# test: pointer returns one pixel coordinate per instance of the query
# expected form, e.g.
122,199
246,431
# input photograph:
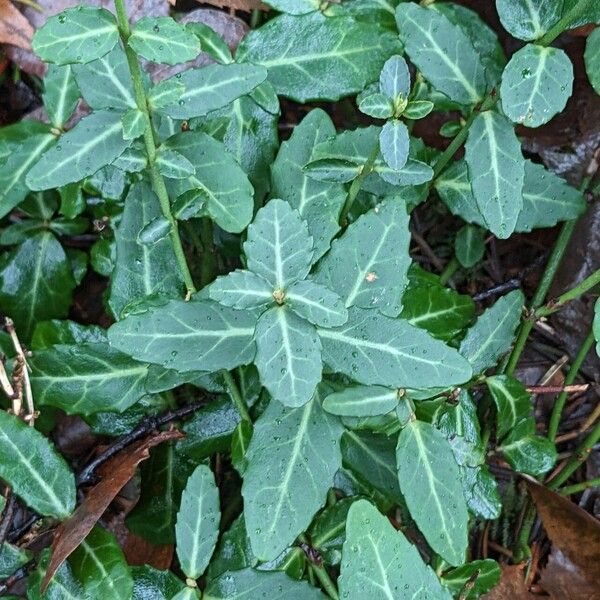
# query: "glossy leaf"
394,142
493,332
92,144
527,452
134,124
319,203
362,401
394,79
174,165
436,502
469,245
61,94
141,270
377,106
373,349
211,42
62,586
486,574
163,40
188,336
49,333
368,265
328,530
442,52
592,59
293,456
314,57
288,356
36,283
87,378
76,35
418,109
316,303
151,584
379,562
164,94
197,525
278,246
34,469
536,84
242,289
497,170
528,20
512,400
295,7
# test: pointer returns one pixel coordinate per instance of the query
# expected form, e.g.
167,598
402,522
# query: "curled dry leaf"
118,471
511,586
574,564
15,29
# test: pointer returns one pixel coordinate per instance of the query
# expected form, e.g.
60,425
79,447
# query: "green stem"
587,284
522,543
234,392
559,405
207,272
150,142
570,17
579,487
449,270
357,183
324,579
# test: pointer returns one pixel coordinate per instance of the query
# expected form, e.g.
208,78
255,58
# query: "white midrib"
60,107
63,40
98,376
117,83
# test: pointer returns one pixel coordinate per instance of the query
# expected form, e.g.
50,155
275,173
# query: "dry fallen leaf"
15,29
118,471
574,564
245,5
139,551
511,585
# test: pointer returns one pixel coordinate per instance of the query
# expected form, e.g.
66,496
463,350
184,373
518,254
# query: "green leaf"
187,593
34,470
49,333
436,502
377,106
527,452
328,530
151,584
93,143
592,59
367,266
98,562
335,170
36,283
141,270
173,164
189,336
484,575
528,20
155,231
314,57
106,82
378,562
279,247
12,558
197,525
235,585
394,80
163,40
61,94
512,400
316,303
418,109
373,349
230,201
76,35
362,401
213,87
241,289
319,203
295,7
87,378
442,52
288,356
536,84
134,124
481,492
164,94
394,142
211,42
62,586
293,456
497,170
493,332
469,245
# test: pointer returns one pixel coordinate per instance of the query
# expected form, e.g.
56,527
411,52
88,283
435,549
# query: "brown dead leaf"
119,470
575,535
245,5
15,29
511,585
139,551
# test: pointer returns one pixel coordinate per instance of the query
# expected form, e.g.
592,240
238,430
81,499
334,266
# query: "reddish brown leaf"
14,27
118,471
139,551
575,561
511,585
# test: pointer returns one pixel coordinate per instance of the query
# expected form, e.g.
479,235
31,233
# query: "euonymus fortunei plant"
340,382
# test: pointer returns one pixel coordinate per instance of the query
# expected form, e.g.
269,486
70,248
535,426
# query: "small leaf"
197,525
378,561
279,247
134,124
493,332
61,94
528,20
423,452
34,469
288,356
442,52
211,42
536,84
163,40
592,59
469,245
512,400
164,94
242,289
155,231
190,336
292,459
484,575
418,109
334,170
394,142
173,164
328,530
497,170
362,401
394,80
190,204
316,303
377,106
151,584
76,35
527,452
